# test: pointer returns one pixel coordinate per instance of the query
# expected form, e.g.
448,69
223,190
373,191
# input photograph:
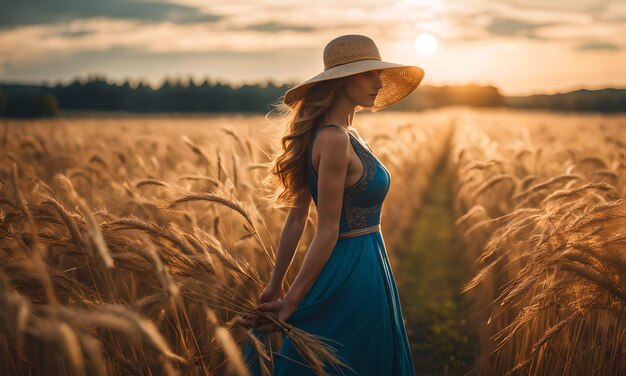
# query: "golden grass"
127,246
549,288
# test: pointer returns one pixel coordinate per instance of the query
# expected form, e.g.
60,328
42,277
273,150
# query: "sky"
522,47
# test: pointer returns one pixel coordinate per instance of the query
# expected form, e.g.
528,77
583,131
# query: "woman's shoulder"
332,134
332,139
323,127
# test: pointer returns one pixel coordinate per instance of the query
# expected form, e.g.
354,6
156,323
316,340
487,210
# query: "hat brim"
398,81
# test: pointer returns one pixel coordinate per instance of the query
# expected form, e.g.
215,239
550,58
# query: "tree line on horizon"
185,96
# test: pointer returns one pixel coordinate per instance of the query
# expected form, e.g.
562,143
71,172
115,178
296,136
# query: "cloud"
575,34
73,33
40,43
542,21
502,26
37,12
598,46
583,6
119,63
274,27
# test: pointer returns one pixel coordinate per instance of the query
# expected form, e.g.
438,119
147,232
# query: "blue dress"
354,302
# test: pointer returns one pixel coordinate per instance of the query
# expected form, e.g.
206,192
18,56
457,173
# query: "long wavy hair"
288,167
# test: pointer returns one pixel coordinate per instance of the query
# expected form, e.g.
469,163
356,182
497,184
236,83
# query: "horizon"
518,46
134,83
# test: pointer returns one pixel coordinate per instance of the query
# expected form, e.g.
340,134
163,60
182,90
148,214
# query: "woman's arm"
335,149
288,243
290,237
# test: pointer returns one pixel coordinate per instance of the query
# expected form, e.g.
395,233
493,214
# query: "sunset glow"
425,44
517,45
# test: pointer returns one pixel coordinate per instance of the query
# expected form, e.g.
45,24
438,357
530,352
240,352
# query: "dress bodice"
363,200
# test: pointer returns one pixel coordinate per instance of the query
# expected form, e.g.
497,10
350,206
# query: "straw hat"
351,54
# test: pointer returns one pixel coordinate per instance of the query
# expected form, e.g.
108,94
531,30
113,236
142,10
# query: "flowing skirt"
354,305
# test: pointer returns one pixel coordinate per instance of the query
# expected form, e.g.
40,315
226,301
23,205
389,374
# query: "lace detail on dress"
356,216
362,202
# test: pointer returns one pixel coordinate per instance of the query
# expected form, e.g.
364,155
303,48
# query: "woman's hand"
282,308
271,293
247,321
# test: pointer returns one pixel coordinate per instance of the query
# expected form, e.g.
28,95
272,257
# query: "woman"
345,291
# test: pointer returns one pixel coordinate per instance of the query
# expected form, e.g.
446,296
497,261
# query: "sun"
425,44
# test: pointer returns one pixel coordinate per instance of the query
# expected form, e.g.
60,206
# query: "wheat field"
129,244
542,215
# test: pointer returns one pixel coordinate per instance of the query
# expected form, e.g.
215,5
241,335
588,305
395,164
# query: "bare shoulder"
333,140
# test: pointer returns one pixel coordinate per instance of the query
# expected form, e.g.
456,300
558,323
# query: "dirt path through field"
430,273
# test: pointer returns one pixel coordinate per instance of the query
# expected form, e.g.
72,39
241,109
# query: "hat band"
353,61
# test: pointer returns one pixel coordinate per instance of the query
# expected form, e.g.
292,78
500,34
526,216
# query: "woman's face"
362,88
